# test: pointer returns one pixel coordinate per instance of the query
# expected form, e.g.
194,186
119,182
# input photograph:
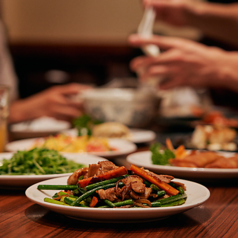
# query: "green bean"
181,191
113,180
66,194
170,199
119,204
50,200
69,200
123,203
176,203
147,183
56,187
109,203
161,193
154,187
91,192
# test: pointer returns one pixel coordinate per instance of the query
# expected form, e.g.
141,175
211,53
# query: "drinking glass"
4,112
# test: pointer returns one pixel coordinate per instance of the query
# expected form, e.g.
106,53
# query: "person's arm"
54,102
187,63
219,21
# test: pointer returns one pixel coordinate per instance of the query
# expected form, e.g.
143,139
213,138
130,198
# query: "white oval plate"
39,127
197,194
27,180
123,147
137,135
143,159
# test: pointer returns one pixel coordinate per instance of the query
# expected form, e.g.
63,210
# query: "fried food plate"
197,194
143,159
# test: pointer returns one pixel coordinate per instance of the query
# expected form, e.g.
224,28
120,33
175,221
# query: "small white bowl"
132,107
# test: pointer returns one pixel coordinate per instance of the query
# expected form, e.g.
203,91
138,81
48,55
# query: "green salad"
38,161
160,156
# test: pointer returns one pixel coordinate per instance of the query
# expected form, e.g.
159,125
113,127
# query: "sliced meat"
137,184
106,166
93,169
73,178
108,194
134,195
146,194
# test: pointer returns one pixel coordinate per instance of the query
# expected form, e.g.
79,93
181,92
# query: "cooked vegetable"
94,185
159,156
161,193
94,202
84,124
91,192
169,144
108,175
171,199
38,161
169,189
56,187
136,188
54,201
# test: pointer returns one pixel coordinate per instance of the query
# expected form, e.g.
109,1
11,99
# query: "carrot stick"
166,187
84,182
94,202
113,173
108,175
169,144
180,151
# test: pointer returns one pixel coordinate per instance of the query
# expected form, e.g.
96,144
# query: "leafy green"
159,156
84,124
38,161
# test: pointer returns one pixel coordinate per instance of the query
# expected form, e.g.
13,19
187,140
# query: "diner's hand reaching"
53,102
186,63
215,20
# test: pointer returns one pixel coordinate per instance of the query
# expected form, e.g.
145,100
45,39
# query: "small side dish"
213,137
105,185
194,159
74,144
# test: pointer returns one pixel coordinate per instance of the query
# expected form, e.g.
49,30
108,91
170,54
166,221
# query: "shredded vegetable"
38,161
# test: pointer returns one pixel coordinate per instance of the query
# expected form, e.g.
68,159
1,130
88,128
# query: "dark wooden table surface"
217,217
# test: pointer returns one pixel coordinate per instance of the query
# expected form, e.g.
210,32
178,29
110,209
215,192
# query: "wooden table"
217,217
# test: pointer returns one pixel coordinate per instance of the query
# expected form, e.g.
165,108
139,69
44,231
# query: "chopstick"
145,29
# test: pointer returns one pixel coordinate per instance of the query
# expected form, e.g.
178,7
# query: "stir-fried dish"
74,144
193,159
105,185
38,161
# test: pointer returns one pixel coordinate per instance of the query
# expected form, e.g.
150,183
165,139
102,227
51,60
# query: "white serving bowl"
132,107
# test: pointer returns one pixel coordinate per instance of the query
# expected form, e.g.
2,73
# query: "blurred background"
54,42
57,41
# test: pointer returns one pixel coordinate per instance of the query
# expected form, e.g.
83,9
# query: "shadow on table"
195,217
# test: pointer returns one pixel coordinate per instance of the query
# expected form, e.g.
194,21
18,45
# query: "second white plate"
123,147
143,159
16,181
137,135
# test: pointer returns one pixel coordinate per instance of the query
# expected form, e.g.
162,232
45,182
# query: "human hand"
173,12
53,102
186,63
